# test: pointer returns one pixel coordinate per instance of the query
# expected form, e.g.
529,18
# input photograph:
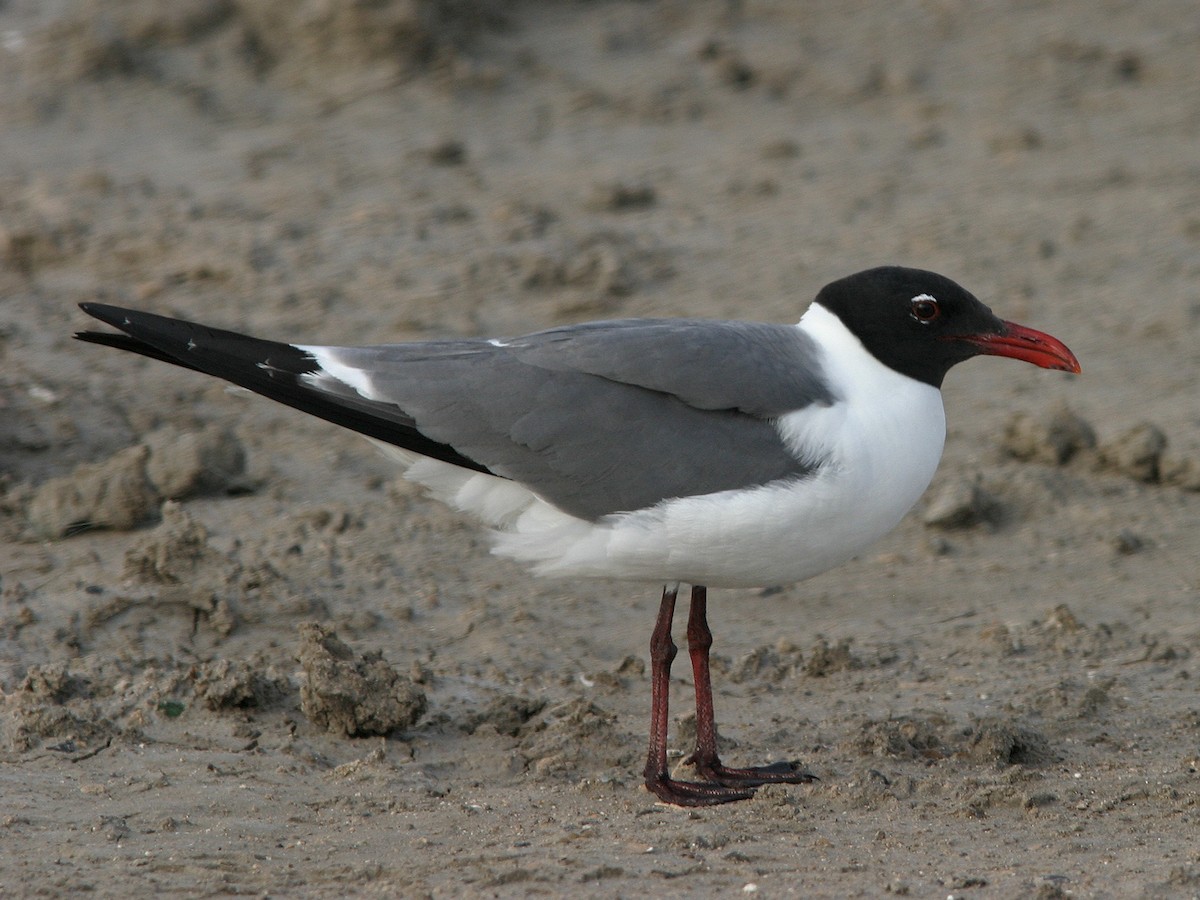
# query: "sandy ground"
302,678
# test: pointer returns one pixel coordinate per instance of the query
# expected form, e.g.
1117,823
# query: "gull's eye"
924,308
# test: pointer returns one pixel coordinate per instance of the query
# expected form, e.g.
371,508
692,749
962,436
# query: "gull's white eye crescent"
924,308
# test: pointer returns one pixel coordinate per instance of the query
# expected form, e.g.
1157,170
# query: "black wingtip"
133,345
97,337
109,315
226,354
270,368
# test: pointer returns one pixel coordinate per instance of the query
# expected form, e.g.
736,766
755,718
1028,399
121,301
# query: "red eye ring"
924,308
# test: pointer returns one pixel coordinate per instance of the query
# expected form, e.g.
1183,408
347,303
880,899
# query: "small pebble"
960,504
622,196
1128,542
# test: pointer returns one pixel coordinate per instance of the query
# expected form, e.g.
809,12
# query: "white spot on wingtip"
496,342
191,345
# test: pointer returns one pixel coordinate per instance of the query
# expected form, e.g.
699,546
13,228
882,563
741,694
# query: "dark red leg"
708,764
658,779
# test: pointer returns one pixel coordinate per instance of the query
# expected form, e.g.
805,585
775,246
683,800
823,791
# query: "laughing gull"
677,451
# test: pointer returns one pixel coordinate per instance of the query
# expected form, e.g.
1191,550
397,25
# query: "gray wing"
604,417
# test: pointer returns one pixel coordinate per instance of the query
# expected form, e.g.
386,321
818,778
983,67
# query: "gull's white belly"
790,531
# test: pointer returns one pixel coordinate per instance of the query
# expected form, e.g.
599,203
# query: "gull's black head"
921,324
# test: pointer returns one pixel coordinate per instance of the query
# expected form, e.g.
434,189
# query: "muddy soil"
238,656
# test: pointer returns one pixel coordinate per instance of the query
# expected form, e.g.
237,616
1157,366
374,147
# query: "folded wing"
595,419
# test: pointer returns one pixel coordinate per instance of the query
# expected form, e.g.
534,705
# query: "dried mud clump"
962,504
302,42
228,684
355,696
1054,437
589,271
183,570
903,737
51,707
125,490
572,736
1137,452
195,463
112,494
1181,471
991,742
1001,744
53,683
1140,453
103,40
173,552
27,726
769,665
507,714
826,659
298,40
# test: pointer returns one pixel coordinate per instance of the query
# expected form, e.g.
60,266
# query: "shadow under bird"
673,451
